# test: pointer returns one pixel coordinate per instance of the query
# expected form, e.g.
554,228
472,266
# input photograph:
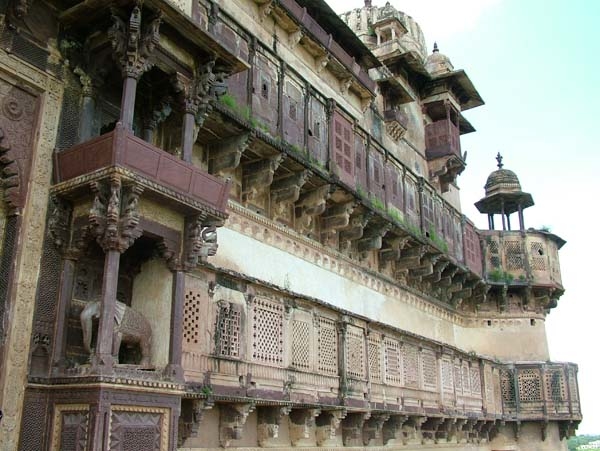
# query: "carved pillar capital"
133,44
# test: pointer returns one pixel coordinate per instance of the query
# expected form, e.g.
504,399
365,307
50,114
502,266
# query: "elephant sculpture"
130,326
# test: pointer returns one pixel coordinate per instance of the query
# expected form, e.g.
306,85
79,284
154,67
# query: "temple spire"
435,47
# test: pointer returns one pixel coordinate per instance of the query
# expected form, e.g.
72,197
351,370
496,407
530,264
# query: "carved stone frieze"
114,215
133,44
232,420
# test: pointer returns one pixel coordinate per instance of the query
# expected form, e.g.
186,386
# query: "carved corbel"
411,257
321,62
225,156
373,427
425,268
373,237
287,189
345,85
301,423
311,204
133,44
447,430
156,113
430,428
337,217
269,420
438,268
354,230
114,216
59,223
258,176
265,9
232,420
393,248
459,429
352,427
392,429
191,418
200,239
294,38
327,424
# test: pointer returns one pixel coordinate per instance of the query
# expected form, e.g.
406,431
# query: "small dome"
437,63
502,180
503,192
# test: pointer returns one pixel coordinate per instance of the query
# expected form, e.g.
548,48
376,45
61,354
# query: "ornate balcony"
396,123
162,174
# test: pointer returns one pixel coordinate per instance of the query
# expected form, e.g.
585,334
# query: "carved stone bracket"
269,420
133,44
352,427
311,204
373,428
301,423
294,38
225,156
265,9
287,189
190,428
200,240
232,420
337,217
59,223
425,268
392,429
345,85
321,62
392,248
373,237
114,216
258,175
198,92
430,429
446,430
355,230
409,258
327,424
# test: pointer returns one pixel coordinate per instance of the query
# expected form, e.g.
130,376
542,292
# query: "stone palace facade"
236,224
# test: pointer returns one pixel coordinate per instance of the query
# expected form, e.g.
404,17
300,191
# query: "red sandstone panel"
142,157
175,173
206,188
86,157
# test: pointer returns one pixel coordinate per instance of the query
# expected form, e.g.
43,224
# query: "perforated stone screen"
447,376
530,388
228,330
191,317
327,346
410,359
507,386
374,342
429,368
556,389
393,368
267,331
355,352
475,381
538,256
301,344
514,254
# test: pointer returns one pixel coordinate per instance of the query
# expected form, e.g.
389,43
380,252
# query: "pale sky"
534,63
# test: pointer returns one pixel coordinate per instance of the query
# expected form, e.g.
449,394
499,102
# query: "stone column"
115,229
88,105
64,298
132,45
174,369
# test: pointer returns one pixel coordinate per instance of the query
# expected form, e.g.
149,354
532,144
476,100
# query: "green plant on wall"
499,275
438,241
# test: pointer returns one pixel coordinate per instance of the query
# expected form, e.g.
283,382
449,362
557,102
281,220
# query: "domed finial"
435,47
499,160
368,4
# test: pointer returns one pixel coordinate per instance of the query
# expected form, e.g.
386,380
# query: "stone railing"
515,257
120,148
